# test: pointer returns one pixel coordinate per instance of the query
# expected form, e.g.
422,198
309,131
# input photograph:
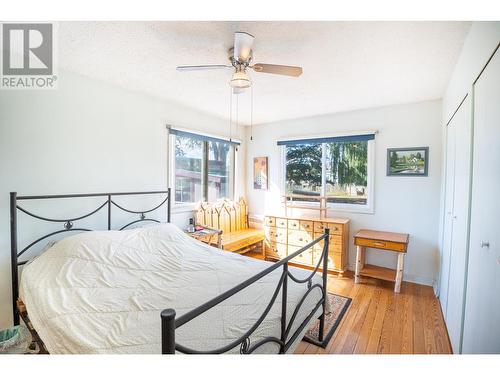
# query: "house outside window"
202,168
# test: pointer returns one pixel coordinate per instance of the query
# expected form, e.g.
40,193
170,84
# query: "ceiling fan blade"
284,70
242,45
188,68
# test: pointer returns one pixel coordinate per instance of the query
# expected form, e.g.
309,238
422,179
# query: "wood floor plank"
430,342
366,329
440,334
311,349
418,321
301,347
384,345
353,335
378,321
357,293
399,318
407,319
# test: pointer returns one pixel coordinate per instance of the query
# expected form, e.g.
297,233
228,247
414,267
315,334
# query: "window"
346,168
219,170
188,169
338,168
303,169
203,167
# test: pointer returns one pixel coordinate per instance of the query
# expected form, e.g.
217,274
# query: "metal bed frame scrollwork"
169,323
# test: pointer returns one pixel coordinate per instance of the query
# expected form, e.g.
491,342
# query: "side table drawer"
378,244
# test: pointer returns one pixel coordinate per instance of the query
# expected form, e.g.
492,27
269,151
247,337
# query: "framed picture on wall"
260,180
408,161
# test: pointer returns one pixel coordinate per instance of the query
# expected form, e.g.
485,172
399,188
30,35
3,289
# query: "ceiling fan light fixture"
240,80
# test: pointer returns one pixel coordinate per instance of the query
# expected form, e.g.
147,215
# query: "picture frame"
260,173
408,161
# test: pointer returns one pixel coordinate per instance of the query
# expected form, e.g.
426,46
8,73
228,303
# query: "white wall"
402,204
86,136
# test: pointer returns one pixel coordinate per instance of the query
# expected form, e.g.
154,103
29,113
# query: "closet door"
482,308
462,124
448,218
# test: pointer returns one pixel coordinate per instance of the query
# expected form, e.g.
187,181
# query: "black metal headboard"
68,225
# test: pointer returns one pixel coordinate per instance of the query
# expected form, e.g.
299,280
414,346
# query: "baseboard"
435,286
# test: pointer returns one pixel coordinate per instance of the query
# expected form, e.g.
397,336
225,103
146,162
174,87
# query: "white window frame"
369,207
191,206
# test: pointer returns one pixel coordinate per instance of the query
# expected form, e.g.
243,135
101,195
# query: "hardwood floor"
380,321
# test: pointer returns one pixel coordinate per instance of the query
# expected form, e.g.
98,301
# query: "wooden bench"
232,218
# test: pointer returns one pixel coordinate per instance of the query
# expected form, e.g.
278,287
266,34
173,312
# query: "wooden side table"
397,242
207,235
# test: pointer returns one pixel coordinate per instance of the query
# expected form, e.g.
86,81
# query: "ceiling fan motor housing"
237,63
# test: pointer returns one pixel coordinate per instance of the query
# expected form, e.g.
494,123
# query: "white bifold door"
454,256
482,307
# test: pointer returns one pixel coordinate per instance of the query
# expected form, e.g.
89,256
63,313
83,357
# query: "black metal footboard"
169,323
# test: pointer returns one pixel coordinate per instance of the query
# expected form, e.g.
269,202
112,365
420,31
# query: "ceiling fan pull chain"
237,109
251,113
230,111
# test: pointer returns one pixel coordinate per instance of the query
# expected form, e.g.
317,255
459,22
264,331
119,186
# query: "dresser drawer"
335,243
277,249
304,258
270,221
336,261
293,224
319,227
306,225
299,237
281,235
378,244
281,222
270,233
276,234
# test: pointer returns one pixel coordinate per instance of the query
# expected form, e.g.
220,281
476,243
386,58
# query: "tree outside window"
337,170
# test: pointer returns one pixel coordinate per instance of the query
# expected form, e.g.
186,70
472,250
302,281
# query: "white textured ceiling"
347,65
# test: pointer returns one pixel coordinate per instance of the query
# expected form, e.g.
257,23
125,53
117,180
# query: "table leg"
219,241
399,272
360,262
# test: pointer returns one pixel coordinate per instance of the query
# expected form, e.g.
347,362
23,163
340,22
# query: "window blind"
202,137
342,138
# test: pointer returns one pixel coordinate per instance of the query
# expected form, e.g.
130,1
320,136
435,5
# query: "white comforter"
102,292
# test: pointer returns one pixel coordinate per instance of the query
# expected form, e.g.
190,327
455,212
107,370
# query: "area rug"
338,308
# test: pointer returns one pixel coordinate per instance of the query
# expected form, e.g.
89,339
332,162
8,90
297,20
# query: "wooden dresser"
285,235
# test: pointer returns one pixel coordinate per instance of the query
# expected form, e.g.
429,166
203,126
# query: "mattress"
103,291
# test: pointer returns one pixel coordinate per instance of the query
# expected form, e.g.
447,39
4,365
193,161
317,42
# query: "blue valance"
342,138
202,137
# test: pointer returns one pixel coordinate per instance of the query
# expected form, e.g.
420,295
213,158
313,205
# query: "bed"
154,289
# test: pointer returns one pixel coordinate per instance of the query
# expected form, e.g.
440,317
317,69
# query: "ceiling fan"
240,56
